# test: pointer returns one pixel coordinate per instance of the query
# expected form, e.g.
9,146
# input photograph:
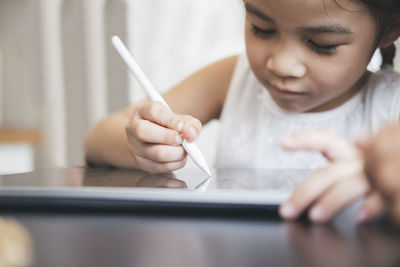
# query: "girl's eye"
261,33
327,50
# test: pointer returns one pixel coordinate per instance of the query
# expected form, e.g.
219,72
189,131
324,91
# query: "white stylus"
152,93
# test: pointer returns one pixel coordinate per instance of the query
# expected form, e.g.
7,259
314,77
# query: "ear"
391,34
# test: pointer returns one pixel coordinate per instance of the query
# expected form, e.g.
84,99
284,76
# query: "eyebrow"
256,12
332,29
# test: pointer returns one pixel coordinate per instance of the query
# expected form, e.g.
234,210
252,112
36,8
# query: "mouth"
283,92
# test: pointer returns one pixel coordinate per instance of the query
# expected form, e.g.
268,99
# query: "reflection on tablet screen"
281,180
259,179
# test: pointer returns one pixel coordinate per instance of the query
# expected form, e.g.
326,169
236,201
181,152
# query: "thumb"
156,112
190,128
160,114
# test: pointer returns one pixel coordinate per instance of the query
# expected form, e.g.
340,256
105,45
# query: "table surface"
77,238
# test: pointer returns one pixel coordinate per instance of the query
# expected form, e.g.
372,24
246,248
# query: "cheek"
342,73
337,80
256,54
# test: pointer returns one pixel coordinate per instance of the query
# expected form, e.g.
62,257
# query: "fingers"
150,166
161,180
162,153
157,153
306,193
364,142
337,198
148,132
331,146
155,135
191,129
159,114
326,192
373,207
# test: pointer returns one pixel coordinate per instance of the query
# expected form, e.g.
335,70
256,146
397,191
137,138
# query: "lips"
286,91
283,92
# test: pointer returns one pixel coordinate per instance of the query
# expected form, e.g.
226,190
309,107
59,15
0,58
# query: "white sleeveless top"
252,124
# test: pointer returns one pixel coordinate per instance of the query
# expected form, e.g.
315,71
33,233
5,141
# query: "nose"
284,63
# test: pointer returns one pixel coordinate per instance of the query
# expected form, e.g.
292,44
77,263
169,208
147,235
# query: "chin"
292,106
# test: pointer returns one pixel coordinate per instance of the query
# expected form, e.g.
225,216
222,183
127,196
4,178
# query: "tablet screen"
185,190
242,179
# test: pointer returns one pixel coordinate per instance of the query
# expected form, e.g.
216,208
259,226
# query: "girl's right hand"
155,135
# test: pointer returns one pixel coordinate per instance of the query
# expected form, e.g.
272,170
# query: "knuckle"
182,163
175,123
139,129
129,130
192,121
197,124
155,109
306,192
182,153
160,155
171,138
139,162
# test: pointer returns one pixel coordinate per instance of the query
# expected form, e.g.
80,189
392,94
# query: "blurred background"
59,74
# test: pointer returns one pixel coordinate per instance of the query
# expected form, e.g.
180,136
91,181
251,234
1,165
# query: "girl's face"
311,55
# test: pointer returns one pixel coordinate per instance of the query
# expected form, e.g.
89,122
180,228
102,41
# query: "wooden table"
150,239
18,135
17,149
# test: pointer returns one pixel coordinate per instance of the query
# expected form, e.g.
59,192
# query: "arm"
144,135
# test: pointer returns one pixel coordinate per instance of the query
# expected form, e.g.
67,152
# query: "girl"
305,68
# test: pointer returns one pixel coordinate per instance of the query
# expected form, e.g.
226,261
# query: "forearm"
106,143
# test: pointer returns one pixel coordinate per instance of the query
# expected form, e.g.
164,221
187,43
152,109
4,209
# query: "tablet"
188,190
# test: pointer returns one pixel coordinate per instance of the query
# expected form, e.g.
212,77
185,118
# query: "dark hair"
384,11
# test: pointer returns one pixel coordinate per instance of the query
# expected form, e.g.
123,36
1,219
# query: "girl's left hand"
330,189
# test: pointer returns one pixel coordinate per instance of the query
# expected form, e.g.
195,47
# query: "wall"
61,74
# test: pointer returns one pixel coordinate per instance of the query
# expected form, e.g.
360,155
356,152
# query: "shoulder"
386,78
203,93
244,91
242,77
383,84
383,94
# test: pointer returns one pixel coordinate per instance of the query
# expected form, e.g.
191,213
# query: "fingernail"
180,126
192,132
288,211
317,214
175,184
178,139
